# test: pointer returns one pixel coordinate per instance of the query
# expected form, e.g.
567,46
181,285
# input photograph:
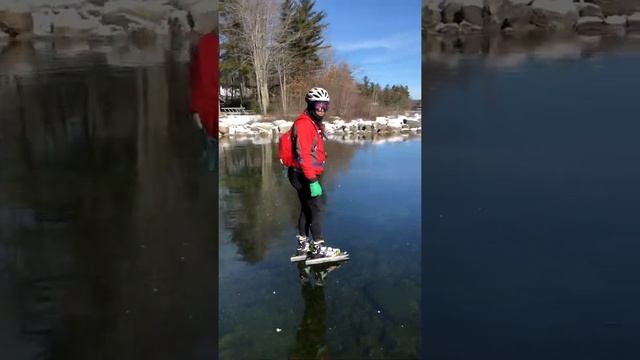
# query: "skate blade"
298,258
326,259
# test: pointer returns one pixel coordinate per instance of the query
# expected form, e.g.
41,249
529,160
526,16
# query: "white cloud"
394,42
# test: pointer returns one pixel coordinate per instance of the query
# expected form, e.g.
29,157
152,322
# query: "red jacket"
308,146
204,83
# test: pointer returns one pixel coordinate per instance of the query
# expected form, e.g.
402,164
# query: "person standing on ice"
309,156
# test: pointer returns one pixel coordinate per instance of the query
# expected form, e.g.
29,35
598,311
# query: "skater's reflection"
312,332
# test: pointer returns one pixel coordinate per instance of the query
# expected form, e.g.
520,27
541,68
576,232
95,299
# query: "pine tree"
235,71
307,22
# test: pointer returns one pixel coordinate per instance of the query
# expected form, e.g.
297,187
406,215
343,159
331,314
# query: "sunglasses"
321,106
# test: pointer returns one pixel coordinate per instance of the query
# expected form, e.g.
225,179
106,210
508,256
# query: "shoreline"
27,20
375,139
255,126
520,17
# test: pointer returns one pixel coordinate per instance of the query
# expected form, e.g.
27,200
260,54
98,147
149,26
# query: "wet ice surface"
107,211
370,306
531,199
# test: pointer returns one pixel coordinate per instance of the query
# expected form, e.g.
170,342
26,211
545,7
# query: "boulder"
467,27
554,14
412,124
119,20
452,13
587,9
616,7
590,25
561,7
205,16
451,28
263,127
514,15
430,17
616,20
89,10
67,22
497,10
135,25
107,31
633,22
97,2
473,15
150,11
179,19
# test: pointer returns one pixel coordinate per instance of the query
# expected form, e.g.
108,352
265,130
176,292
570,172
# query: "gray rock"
616,20
448,28
467,27
514,15
616,7
587,9
149,11
540,19
205,22
413,124
591,25
108,31
203,12
430,17
97,2
452,13
473,15
119,20
633,22
555,14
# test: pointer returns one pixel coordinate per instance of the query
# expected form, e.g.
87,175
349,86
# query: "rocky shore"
105,19
246,126
590,17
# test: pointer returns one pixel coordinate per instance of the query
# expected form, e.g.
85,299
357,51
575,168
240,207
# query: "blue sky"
377,38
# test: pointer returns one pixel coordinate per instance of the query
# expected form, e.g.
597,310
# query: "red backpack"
285,148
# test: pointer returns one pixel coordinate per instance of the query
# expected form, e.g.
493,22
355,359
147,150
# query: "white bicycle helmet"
317,94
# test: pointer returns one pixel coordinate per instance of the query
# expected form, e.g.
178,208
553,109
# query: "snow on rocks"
106,18
460,17
616,20
255,126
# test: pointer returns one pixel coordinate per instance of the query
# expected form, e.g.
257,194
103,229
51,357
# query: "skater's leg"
304,220
297,180
316,210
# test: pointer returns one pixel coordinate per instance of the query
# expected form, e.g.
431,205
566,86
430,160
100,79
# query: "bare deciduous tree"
258,22
266,38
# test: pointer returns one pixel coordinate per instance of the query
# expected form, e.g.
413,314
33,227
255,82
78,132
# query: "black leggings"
310,219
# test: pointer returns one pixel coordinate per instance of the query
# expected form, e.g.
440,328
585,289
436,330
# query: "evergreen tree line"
273,51
395,96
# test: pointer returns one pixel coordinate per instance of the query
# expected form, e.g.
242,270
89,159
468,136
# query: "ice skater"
308,154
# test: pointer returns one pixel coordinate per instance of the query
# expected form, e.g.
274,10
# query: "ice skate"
324,254
320,272
303,249
304,273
